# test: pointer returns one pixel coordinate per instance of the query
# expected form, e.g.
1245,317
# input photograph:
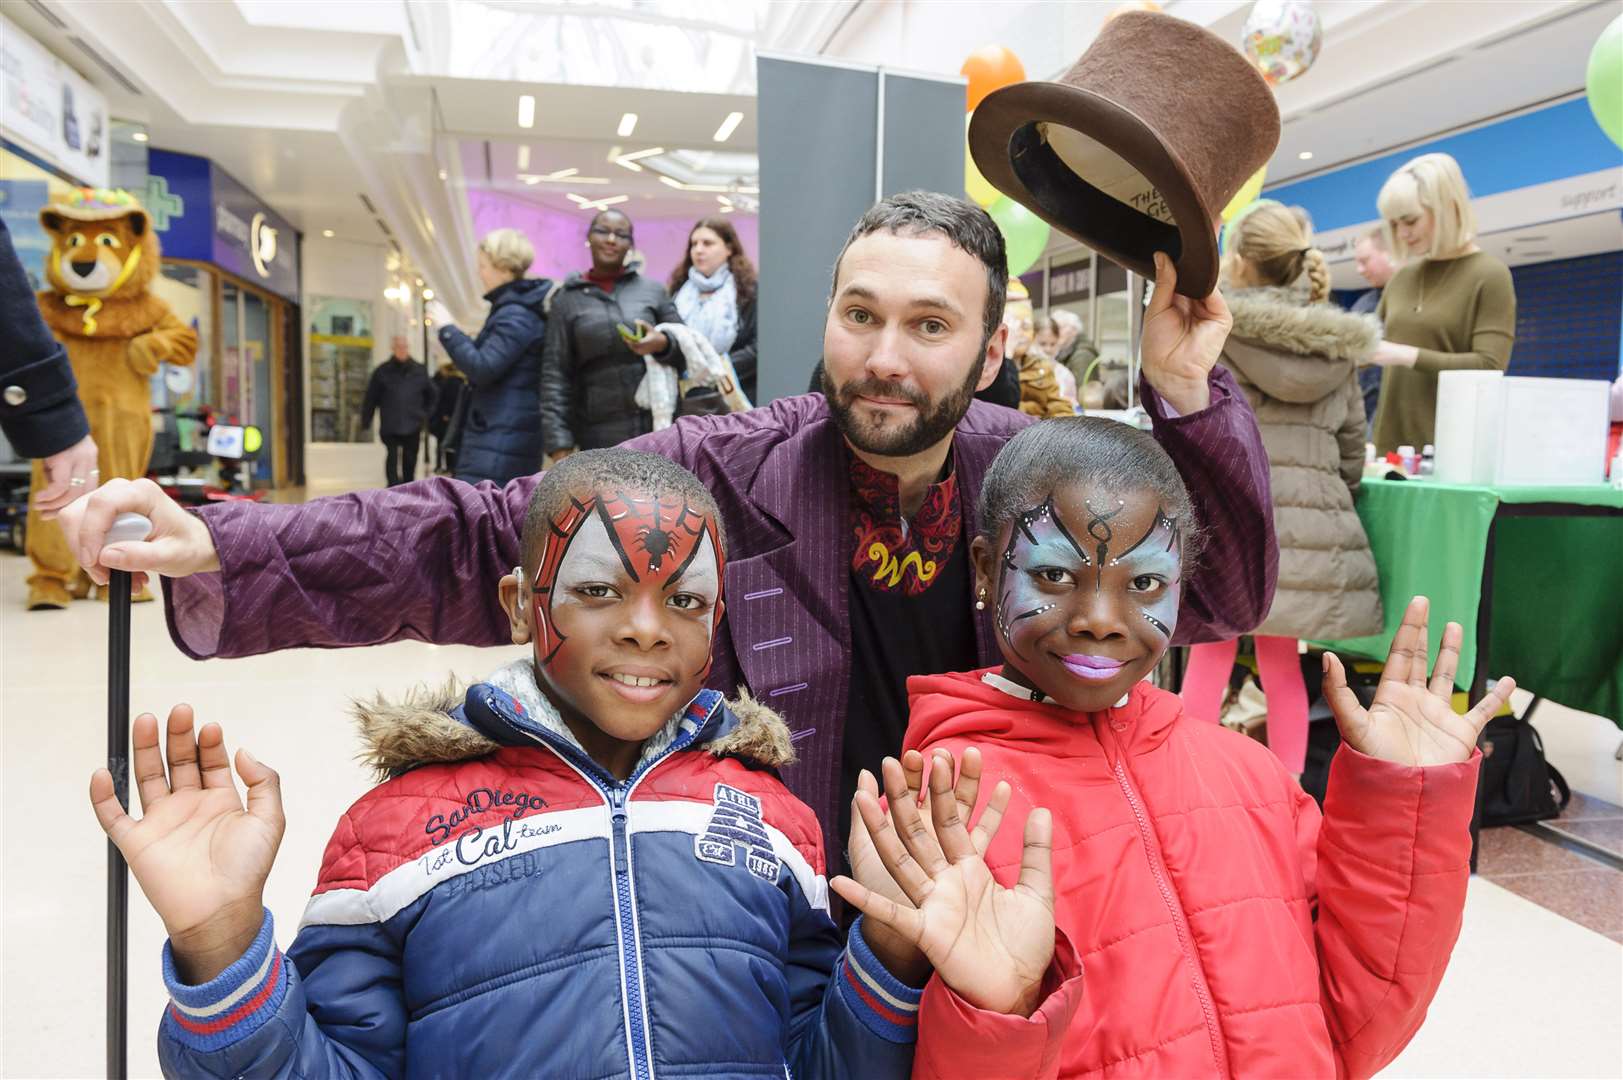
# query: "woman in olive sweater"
1450,307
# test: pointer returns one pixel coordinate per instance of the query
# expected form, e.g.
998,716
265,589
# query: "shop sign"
201,212
47,107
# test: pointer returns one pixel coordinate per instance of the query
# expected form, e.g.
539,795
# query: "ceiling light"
531,180
677,184
728,126
638,155
1305,155
560,174
628,124
526,110
524,157
724,200
578,200
140,136
428,294
328,233
632,165
444,175
419,283
604,204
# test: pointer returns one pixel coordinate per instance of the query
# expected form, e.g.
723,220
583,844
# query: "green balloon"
1025,235
1605,81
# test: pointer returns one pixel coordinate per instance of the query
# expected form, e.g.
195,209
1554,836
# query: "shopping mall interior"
329,183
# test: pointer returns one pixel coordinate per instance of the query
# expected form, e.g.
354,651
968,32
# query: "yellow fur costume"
104,255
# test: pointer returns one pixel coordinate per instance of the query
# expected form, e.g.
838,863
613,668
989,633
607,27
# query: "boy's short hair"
1083,449
589,470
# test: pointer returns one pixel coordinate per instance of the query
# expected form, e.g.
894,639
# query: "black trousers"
401,464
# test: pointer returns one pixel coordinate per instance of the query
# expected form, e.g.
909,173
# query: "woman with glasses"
591,365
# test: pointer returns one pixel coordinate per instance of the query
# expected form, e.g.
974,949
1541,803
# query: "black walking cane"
128,527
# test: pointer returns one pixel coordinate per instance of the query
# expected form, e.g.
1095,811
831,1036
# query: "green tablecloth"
1557,615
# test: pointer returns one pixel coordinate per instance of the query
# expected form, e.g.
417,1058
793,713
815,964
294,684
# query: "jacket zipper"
1180,922
618,796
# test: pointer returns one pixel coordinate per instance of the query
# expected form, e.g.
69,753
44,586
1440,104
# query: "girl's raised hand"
991,945
1412,721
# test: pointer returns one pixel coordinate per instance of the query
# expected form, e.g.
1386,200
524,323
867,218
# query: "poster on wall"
49,108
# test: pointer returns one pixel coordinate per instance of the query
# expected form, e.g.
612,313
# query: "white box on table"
1470,407
1494,428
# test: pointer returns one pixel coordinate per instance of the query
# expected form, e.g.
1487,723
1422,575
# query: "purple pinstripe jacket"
421,560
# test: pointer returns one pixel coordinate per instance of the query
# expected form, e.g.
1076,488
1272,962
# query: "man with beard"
849,513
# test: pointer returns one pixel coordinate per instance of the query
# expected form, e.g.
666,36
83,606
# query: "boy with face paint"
587,867
1205,918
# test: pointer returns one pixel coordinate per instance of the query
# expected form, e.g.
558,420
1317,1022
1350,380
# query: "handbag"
1518,785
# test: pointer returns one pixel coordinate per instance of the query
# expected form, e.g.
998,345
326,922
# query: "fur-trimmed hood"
427,726
1294,350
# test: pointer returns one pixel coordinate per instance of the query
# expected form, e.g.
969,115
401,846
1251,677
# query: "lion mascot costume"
104,255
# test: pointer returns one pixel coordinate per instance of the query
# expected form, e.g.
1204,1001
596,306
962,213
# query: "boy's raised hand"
200,857
1411,721
991,945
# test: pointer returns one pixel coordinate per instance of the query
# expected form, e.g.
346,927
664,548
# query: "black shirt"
910,613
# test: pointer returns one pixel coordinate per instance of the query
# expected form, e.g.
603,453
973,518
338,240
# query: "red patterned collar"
891,553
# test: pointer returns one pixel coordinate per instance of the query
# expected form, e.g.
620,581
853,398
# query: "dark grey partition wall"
827,154
924,134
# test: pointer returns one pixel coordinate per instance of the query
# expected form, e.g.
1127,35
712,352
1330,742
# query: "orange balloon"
990,67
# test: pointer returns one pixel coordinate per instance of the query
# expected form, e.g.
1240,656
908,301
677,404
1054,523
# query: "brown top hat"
1138,147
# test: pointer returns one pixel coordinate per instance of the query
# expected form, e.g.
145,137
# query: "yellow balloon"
252,440
975,184
1246,195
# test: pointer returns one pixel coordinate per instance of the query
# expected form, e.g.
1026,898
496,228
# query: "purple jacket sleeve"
419,561
1220,455
360,569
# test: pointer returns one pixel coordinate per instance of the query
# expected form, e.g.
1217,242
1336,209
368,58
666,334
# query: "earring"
980,601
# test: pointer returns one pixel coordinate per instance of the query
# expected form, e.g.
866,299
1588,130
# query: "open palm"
1412,721
990,944
197,853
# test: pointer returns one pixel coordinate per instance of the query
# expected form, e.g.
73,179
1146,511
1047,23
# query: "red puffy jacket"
1209,925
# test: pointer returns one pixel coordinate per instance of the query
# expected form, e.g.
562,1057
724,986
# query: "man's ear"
515,600
992,362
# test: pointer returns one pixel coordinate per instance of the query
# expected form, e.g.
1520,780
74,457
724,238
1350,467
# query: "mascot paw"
48,596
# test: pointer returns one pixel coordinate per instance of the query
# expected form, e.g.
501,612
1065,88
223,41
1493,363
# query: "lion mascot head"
103,249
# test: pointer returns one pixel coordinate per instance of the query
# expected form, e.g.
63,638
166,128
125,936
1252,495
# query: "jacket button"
15,396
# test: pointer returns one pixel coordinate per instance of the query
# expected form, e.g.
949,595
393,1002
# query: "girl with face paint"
1227,927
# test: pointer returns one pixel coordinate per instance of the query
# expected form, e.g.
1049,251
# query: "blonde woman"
1450,306
1296,358
499,435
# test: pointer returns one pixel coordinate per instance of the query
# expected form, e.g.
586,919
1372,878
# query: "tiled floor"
1529,992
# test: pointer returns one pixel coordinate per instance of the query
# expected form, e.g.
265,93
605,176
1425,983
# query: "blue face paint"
1088,587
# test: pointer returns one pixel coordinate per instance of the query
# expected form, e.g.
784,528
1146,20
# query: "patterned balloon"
1282,38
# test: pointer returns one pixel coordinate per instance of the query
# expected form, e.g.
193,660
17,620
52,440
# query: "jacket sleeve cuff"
883,1003
1163,413
961,1040
234,1004
50,413
1373,806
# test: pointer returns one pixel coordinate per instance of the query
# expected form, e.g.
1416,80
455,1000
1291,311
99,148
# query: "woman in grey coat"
1296,357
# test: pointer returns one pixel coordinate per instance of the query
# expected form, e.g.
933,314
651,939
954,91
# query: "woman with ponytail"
1296,357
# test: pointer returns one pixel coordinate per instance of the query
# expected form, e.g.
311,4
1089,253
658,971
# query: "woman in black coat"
500,431
589,372
714,291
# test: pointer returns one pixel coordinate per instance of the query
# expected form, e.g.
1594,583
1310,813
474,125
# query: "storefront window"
179,393
340,364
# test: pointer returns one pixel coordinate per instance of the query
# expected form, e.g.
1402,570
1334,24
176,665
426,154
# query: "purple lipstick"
1092,668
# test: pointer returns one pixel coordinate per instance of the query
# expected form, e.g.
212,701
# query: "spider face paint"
624,606
1087,587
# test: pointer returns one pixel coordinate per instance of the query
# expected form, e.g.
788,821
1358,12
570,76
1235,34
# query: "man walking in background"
402,391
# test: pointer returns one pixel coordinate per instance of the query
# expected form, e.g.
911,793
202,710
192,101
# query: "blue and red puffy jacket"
518,912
